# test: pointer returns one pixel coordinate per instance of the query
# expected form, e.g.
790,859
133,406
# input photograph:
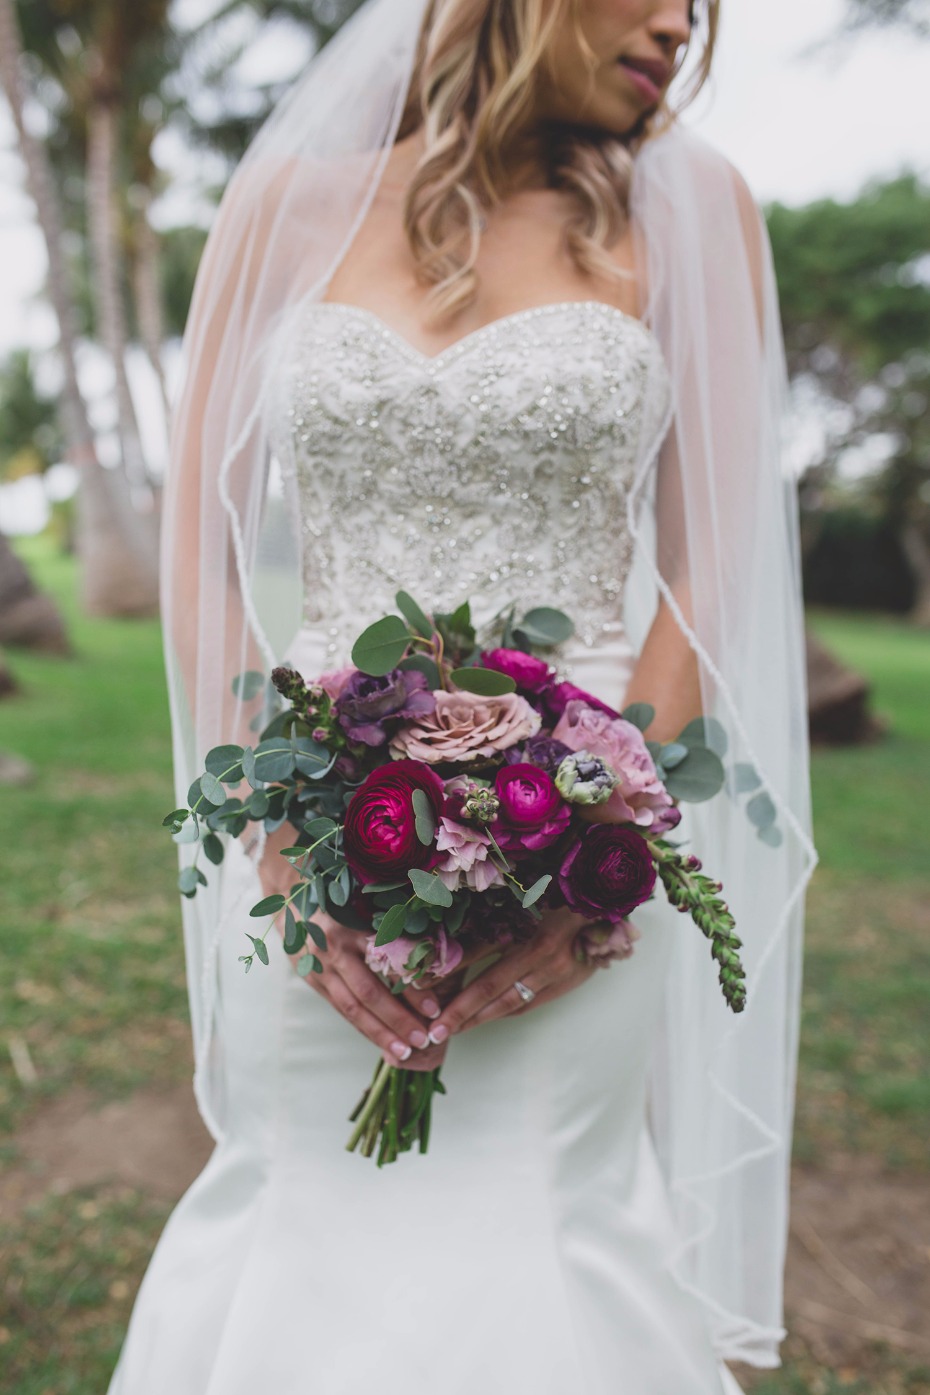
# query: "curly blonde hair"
476,75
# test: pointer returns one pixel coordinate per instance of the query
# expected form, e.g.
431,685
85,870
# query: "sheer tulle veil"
714,518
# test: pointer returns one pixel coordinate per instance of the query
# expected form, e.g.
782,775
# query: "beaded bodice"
497,470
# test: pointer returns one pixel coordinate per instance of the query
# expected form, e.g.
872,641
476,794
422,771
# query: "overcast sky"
798,127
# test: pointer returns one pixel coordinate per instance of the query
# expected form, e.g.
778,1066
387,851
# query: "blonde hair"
477,71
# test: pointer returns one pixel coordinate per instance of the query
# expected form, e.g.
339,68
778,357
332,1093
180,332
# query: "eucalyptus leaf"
554,625
425,665
746,777
705,731
487,682
213,849
225,762
175,820
391,926
308,964
771,834
194,794
249,684
270,905
533,893
188,832
188,881
418,918
258,803
672,754
212,790
376,888
338,892
381,647
761,810
312,758
429,887
699,776
425,822
248,766
641,714
274,759
261,949
295,936
416,618
317,935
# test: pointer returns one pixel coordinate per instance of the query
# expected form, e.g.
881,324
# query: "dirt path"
858,1271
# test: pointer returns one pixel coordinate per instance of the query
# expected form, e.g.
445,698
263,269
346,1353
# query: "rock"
15,770
838,700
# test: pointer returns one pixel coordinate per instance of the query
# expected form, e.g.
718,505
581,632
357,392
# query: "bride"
480,318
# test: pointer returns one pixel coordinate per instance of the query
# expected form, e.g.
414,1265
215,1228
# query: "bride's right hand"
347,982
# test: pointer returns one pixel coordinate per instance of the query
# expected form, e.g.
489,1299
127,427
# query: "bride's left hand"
546,964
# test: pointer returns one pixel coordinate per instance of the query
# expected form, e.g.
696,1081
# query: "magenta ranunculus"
532,812
640,797
529,673
607,872
380,837
558,695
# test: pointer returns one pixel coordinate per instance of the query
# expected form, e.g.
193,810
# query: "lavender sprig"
691,890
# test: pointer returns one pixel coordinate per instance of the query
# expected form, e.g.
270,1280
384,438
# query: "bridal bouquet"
443,795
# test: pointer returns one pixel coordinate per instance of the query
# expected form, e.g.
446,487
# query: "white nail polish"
401,1051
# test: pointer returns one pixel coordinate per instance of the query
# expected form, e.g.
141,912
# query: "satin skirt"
525,1254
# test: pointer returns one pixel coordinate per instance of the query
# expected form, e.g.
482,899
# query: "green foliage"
30,437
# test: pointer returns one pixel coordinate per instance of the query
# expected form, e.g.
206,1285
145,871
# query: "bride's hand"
347,982
546,964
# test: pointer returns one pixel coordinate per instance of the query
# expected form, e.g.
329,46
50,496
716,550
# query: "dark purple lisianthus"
607,872
557,696
532,812
529,673
543,751
366,703
380,836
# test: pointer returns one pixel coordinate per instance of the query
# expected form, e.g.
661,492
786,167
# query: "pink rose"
602,943
467,861
333,683
640,797
463,725
391,959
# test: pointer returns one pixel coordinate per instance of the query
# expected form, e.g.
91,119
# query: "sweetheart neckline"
466,341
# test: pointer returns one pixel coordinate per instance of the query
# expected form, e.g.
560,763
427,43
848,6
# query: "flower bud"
584,779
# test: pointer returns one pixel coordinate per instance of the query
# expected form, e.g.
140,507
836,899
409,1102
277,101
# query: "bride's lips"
648,76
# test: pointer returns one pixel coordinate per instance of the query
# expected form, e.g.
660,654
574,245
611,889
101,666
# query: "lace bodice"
497,470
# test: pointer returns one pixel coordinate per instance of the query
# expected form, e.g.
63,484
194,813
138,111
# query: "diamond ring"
526,993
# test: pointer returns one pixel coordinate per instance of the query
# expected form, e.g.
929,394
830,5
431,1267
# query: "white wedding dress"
526,1254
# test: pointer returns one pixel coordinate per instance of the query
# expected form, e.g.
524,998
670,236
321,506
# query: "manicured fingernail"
419,1039
401,1051
438,1035
430,1008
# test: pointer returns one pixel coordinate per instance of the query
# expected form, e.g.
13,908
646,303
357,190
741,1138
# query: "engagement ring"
526,994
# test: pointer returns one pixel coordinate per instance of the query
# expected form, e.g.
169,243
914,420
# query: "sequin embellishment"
497,470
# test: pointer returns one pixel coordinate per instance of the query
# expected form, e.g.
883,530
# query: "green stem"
370,1109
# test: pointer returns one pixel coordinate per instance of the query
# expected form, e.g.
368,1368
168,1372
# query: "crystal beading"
497,470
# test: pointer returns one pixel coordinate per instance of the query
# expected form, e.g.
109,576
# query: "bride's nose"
669,24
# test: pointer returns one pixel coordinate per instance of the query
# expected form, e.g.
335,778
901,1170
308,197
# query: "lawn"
93,988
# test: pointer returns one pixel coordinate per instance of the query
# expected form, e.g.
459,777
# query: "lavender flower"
366,703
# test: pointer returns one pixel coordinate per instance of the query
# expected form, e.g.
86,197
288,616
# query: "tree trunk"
917,551
115,542
27,616
108,263
147,293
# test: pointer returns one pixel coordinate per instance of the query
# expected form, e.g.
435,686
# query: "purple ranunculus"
558,695
366,703
529,673
607,872
543,751
532,812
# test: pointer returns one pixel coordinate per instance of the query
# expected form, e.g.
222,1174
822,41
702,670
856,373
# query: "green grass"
865,1045
95,984
88,910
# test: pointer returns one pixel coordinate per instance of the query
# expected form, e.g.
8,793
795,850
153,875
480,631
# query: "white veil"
714,519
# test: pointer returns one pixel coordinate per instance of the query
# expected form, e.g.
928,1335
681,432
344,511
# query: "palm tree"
118,546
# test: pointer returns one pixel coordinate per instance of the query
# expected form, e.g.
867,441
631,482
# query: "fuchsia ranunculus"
558,695
640,797
380,837
607,872
532,812
528,672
